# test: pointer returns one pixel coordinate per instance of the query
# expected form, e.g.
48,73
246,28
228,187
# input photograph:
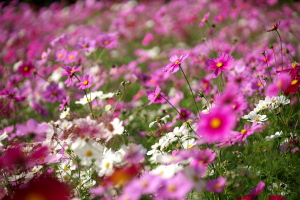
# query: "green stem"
190,89
280,48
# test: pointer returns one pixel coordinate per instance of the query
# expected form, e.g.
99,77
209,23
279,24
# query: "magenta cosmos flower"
174,66
69,72
85,82
156,97
26,69
217,124
275,27
216,185
219,64
204,19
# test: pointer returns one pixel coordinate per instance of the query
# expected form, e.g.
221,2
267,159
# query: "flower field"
129,100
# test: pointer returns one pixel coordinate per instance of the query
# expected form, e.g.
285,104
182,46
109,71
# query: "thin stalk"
268,68
280,48
177,111
90,105
190,88
275,56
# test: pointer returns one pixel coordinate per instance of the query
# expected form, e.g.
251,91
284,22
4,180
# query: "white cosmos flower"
166,171
114,127
89,97
87,150
93,95
163,119
253,116
65,113
276,135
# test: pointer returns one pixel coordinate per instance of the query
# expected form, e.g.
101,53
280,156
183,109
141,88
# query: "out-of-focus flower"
216,185
156,97
204,19
26,69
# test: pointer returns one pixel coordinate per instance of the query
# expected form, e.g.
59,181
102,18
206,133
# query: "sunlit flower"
85,82
174,66
216,125
219,64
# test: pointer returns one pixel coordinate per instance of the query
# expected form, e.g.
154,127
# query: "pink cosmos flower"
239,137
147,39
219,64
156,97
69,72
61,55
85,82
216,125
65,103
275,27
12,94
53,93
216,185
32,129
26,69
257,190
174,66
71,57
176,187
204,19
87,44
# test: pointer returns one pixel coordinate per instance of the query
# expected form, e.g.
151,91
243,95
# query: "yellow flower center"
106,42
259,84
176,62
35,196
219,64
107,164
215,123
72,71
26,69
85,45
71,57
89,153
60,55
243,131
85,82
217,186
294,64
171,188
294,82
256,119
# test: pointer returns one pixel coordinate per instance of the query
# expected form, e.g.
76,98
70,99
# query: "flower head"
219,64
156,97
204,19
69,72
85,82
216,125
275,27
174,66
216,185
26,69
86,44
